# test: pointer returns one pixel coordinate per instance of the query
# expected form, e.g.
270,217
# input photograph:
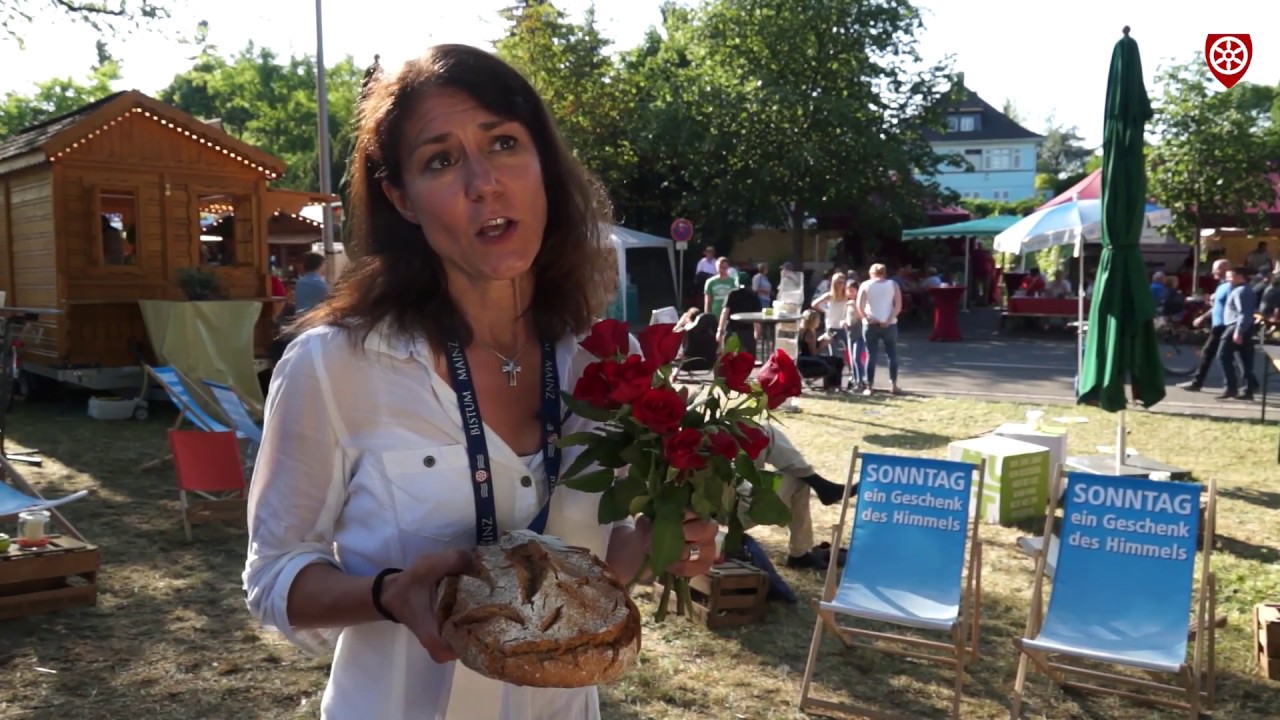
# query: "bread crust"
536,612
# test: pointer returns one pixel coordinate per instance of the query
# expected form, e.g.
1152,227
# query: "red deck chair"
208,466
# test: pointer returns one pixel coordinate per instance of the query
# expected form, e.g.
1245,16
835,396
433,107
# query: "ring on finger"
694,550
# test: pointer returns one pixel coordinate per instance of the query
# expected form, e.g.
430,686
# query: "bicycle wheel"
1179,360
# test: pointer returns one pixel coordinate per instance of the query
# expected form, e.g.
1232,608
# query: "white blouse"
363,466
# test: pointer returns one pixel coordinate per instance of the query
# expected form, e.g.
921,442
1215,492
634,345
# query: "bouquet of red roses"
682,450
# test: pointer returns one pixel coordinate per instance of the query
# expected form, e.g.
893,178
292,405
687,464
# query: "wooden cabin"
104,206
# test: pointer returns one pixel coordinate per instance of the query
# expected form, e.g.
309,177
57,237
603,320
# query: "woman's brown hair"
398,277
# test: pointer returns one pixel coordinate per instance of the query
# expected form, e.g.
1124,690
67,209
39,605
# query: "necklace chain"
509,366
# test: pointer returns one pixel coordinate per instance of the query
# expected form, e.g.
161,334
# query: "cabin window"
225,229
118,226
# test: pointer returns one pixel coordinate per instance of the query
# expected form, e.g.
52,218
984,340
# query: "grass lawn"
171,638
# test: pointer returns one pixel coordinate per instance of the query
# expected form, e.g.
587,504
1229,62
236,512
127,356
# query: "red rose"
682,450
608,339
659,409
735,369
630,378
780,379
595,384
660,344
723,444
752,439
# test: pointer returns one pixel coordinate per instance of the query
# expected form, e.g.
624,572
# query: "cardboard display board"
1017,479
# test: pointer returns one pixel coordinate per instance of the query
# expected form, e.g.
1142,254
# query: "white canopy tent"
625,239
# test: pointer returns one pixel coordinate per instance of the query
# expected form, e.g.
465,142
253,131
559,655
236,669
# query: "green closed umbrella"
1121,346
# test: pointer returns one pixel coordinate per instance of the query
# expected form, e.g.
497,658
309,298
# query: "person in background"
879,301
932,278
798,478
1269,307
706,268
1159,291
761,285
739,300
311,289
717,289
984,271
812,363
1258,261
1237,335
840,314
1175,303
1033,284
1214,340
1059,286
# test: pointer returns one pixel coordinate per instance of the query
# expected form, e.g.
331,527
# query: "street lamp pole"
324,156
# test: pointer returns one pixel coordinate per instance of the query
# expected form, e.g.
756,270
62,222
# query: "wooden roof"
48,140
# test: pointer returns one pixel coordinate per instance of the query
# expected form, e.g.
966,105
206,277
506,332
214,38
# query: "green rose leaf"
596,481
767,508
610,510
578,438
585,410
667,536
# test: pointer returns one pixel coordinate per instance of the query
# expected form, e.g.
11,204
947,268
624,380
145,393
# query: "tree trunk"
797,237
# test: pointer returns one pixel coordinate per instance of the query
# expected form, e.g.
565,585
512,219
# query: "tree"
58,96
820,105
1062,152
1010,110
272,104
1210,160
566,62
108,18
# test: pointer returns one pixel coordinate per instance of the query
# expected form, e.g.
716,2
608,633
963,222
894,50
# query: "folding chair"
234,407
18,496
208,466
188,409
906,566
1122,592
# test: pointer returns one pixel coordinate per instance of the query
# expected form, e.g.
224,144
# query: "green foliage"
1212,157
199,284
981,207
57,96
271,103
108,18
737,113
1062,152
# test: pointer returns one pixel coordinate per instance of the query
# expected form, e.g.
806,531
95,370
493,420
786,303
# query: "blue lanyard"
478,446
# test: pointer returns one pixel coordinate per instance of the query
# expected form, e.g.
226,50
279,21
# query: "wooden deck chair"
1122,593
188,409
208,466
237,411
906,566
18,496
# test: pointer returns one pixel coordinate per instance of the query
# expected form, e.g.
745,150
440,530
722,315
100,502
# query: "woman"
842,313
761,285
812,363
482,256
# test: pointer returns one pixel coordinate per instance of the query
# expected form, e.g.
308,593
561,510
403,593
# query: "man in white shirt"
880,302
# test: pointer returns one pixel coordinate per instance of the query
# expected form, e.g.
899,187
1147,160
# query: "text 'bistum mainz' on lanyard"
478,447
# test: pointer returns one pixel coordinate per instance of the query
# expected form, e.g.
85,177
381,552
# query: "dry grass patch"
171,638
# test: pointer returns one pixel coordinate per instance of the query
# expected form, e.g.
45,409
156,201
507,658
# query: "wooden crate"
60,576
1266,639
731,593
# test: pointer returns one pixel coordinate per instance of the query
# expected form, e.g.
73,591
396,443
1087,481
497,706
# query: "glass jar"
31,528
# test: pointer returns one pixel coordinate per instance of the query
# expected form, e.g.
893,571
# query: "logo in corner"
1228,56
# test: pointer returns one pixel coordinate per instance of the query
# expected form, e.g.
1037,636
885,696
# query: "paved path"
1035,367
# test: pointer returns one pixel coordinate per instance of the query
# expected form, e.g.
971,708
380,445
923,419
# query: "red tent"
1090,188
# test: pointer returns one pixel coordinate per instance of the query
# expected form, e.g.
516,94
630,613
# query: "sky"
1049,62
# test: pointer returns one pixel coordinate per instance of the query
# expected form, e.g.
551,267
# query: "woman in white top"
841,313
880,302
416,415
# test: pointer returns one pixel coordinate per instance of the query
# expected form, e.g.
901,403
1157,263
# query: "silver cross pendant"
510,368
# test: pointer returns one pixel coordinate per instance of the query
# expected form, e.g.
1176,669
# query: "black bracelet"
377,594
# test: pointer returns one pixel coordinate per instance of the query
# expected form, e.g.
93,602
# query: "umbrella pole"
968,280
1079,313
1121,453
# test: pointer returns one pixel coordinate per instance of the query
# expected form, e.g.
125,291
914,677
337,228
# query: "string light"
147,114
296,216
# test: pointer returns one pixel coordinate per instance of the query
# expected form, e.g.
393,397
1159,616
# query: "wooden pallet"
1266,639
731,593
60,576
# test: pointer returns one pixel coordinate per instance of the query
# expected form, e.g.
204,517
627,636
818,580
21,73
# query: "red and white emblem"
1228,56
481,476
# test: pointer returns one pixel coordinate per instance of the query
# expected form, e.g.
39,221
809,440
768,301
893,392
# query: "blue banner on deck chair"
1122,587
906,553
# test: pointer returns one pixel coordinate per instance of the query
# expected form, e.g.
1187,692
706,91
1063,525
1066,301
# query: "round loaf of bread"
536,612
